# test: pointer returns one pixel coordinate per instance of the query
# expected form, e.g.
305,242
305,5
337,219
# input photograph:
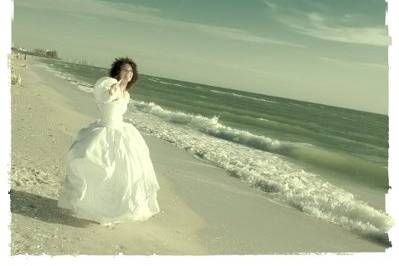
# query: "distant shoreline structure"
47,53
37,52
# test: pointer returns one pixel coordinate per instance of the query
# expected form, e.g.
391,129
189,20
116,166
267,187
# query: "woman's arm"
106,89
116,88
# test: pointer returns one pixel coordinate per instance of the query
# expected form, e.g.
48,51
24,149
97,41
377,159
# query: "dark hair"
116,69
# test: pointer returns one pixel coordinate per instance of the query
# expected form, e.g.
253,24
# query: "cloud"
237,34
315,25
137,8
272,6
355,64
315,19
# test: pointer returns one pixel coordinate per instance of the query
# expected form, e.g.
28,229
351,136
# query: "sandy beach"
204,210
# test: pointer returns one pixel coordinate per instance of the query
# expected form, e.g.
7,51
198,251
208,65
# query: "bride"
110,177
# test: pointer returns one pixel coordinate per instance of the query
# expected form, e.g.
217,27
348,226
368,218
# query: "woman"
110,177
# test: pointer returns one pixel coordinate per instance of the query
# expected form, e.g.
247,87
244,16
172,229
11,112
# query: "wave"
278,178
83,86
166,83
243,96
55,72
363,171
87,89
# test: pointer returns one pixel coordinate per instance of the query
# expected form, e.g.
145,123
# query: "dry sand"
203,209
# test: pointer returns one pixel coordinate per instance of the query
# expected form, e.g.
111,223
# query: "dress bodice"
111,107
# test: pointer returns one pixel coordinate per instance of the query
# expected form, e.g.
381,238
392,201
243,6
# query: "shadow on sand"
45,209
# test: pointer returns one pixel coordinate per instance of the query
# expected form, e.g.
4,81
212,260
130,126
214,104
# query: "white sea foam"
80,85
57,73
212,127
166,83
87,89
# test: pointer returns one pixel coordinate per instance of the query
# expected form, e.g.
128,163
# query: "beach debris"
16,79
29,178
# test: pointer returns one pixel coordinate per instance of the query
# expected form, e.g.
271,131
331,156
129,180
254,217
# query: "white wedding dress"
110,177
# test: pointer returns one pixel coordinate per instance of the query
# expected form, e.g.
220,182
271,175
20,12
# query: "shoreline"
203,210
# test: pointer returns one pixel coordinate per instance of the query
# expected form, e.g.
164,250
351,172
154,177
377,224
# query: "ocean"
325,161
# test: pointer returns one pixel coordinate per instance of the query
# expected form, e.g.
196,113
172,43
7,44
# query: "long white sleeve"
101,89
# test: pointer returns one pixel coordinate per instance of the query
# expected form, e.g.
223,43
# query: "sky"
333,52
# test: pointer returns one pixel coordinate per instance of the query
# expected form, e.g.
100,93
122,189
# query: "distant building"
37,52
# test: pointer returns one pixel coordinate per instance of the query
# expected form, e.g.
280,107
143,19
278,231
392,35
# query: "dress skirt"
110,176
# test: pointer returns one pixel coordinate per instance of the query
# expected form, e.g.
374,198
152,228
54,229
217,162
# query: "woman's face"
126,72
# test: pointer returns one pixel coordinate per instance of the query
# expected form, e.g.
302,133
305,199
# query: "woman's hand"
114,88
123,82
117,88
